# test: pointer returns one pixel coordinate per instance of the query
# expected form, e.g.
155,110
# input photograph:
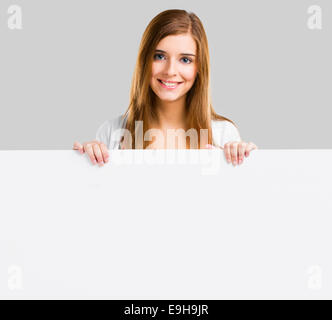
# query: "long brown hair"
199,109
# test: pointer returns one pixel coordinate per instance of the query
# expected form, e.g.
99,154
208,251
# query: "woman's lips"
174,84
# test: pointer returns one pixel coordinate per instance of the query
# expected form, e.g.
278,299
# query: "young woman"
170,97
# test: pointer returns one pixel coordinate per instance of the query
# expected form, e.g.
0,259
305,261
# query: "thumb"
78,146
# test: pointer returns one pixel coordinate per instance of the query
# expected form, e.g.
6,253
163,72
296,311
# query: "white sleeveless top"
110,132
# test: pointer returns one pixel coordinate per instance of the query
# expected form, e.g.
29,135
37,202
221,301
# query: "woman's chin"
169,97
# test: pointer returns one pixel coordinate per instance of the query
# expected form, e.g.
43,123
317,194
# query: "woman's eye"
189,61
158,55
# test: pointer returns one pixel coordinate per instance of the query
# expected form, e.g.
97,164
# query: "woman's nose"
170,68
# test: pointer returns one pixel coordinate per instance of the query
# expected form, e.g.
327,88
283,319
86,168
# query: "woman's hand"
235,151
97,151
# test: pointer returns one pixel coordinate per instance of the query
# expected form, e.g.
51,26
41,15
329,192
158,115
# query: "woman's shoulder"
113,123
105,130
224,131
223,124
118,122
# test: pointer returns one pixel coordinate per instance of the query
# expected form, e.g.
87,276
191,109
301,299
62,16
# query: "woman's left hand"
235,151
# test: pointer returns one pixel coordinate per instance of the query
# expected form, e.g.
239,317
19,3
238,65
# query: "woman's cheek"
189,74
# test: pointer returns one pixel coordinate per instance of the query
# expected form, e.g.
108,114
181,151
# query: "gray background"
70,68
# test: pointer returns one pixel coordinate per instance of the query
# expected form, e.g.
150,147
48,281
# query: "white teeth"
168,84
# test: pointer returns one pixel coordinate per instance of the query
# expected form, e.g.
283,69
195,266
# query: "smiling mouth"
169,85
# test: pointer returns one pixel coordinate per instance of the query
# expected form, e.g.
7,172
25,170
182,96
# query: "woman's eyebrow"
184,54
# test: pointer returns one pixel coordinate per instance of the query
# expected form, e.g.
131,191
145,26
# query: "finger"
250,146
78,146
98,155
234,152
227,152
104,151
89,151
240,152
210,146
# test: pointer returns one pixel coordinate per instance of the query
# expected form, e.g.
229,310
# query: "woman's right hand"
97,151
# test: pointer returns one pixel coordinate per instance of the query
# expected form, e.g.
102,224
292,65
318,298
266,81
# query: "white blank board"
166,224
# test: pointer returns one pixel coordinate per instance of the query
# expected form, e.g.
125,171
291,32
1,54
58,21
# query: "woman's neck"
171,114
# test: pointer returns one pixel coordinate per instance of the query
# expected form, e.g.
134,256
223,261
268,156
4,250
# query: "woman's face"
174,67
